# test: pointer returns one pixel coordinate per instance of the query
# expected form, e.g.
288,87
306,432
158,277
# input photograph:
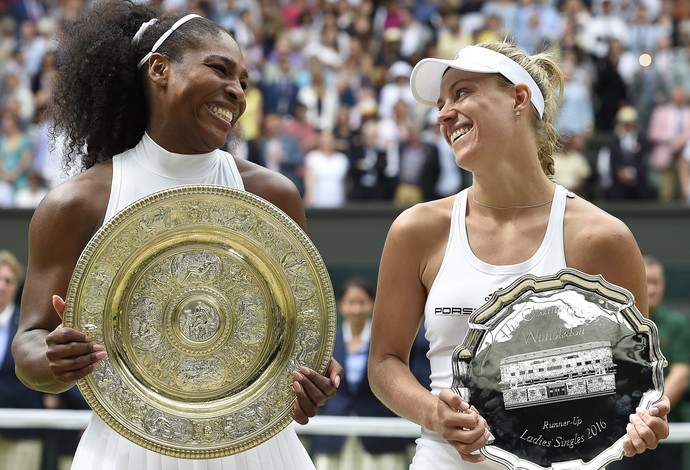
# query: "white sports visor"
425,80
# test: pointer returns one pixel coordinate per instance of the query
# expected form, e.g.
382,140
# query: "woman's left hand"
647,428
314,390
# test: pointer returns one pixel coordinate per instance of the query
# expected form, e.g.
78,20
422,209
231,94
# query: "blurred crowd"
330,105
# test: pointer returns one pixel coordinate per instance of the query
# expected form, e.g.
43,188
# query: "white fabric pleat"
101,448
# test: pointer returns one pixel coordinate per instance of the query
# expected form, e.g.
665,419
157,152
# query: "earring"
517,113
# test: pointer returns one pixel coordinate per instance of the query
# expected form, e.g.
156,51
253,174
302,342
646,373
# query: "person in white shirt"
497,108
163,93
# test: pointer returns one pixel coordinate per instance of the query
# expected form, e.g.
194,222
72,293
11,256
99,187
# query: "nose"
445,114
235,91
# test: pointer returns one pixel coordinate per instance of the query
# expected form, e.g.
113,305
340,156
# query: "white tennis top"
464,283
138,172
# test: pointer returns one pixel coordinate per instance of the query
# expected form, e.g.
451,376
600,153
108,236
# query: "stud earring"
517,113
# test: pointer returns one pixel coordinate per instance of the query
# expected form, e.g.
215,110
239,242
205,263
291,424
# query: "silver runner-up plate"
556,365
206,298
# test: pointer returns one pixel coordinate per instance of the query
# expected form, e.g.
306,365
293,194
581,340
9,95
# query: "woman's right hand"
71,354
462,426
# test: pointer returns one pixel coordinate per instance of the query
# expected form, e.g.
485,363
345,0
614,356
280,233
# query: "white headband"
425,80
163,37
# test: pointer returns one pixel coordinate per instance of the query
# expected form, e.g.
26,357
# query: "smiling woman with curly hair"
146,101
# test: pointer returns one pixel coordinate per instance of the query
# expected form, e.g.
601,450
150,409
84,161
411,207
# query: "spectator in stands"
669,131
451,178
279,90
603,28
16,152
320,97
367,163
574,16
649,86
33,45
19,448
393,132
416,36
645,32
325,174
396,88
537,25
278,151
629,158
419,170
610,91
331,47
674,339
42,86
8,43
343,132
505,9
577,110
355,398
305,32
298,126
31,195
571,167
490,30
388,53
451,37
19,93
680,68
253,115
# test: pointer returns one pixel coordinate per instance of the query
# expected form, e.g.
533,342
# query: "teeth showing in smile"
459,133
223,113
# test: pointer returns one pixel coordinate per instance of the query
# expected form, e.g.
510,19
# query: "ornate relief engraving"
206,298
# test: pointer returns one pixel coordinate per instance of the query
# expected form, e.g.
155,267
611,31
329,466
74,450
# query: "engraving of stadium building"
558,374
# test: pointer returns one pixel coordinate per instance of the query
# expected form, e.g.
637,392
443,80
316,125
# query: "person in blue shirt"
355,398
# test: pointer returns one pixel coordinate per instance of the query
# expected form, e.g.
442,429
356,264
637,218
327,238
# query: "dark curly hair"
99,104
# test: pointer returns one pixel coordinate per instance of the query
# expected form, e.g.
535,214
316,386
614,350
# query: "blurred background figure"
674,340
669,131
367,163
19,448
279,151
35,190
16,153
629,160
419,170
325,174
355,398
571,168
576,115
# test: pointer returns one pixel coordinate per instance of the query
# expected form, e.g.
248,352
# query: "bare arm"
598,243
48,357
405,274
275,188
398,311
611,250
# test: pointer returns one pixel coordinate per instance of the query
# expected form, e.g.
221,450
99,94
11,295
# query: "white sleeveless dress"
140,171
464,283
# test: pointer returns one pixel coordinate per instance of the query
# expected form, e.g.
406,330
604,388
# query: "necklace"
509,207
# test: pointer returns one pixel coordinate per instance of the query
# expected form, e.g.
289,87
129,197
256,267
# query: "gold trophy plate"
206,298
